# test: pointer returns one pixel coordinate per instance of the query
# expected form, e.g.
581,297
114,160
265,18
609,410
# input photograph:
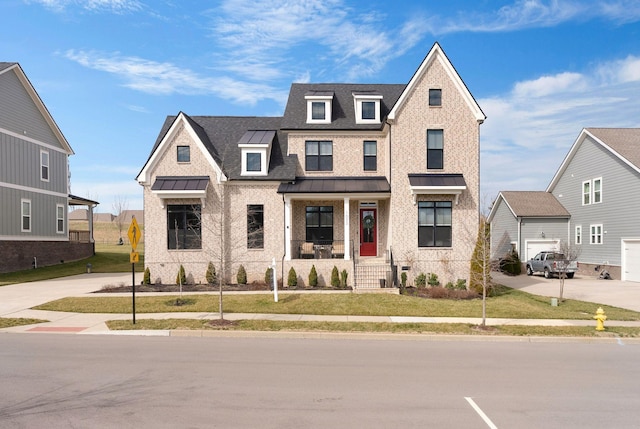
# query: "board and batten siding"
19,114
43,215
504,230
618,211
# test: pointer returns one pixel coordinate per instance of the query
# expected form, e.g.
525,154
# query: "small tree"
335,277
343,279
120,206
292,279
211,273
480,270
313,277
181,278
147,277
268,276
403,280
242,276
571,255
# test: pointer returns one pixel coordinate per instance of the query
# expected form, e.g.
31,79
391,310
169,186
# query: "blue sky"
110,71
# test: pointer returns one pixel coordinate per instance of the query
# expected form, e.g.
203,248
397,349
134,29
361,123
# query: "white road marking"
481,413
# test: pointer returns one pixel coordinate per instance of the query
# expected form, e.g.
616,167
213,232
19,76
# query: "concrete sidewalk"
16,302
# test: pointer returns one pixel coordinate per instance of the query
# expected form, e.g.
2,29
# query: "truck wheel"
529,270
547,274
570,275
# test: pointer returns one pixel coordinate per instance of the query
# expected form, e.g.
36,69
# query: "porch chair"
337,250
307,251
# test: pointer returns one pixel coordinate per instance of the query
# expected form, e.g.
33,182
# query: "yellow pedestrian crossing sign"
134,257
134,234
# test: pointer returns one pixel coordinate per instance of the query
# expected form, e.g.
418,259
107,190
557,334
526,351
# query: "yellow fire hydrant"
600,318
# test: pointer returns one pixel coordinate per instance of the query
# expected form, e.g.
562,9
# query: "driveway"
610,292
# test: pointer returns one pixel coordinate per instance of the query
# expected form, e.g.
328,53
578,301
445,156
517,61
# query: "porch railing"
319,249
79,236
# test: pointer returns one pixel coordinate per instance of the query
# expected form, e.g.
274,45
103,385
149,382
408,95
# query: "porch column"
90,219
347,241
287,228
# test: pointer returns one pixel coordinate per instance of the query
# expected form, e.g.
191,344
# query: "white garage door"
631,260
533,247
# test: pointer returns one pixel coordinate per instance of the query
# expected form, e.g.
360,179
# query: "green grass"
366,327
10,322
511,303
109,258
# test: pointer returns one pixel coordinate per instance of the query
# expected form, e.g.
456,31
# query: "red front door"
368,232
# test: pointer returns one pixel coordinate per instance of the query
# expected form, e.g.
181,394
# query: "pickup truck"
551,264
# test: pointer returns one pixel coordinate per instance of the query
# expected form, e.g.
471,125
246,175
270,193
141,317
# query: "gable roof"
342,107
219,136
6,67
622,143
436,53
530,204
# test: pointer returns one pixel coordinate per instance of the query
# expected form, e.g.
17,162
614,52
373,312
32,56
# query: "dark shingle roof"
221,135
4,65
534,204
625,141
343,113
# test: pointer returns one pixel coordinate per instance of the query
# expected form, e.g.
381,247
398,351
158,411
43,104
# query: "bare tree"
480,271
566,264
120,206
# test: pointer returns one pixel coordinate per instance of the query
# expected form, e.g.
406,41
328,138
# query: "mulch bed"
185,288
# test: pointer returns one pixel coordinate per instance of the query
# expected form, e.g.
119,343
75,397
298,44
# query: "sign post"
134,237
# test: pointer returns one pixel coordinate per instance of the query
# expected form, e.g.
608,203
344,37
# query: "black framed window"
184,154
370,155
435,149
184,229
435,97
255,226
254,162
319,155
434,224
368,110
318,110
319,223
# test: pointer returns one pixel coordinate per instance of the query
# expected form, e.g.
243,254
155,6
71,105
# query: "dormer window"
367,107
319,107
255,148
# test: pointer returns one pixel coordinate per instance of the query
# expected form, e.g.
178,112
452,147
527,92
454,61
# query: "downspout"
520,253
284,239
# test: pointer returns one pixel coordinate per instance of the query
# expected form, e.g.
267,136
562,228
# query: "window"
596,234
597,190
184,154
26,215
183,227
435,149
434,224
586,192
255,226
59,218
319,221
578,234
435,97
370,156
319,155
369,110
318,110
254,162
44,165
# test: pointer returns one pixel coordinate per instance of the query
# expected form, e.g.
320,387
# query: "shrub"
268,277
403,279
313,277
343,279
147,277
421,280
449,286
292,280
211,273
461,284
433,280
241,277
510,264
335,277
181,278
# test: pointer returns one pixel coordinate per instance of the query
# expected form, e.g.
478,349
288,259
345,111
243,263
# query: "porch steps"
373,275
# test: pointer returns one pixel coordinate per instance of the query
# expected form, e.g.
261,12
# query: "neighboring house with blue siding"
528,222
599,184
34,181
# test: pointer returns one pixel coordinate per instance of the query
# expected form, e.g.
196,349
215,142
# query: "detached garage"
631,259
533,247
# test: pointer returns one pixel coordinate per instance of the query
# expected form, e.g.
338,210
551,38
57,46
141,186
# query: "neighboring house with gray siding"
599,184
363,177
34,181
528,222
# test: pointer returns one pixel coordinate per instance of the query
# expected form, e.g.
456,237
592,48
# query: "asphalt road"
71,381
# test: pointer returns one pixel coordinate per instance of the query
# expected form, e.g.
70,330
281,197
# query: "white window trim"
253,148
361,98
578,234
587,194
60,209
593,235
22,215
593,190
327,99
48,165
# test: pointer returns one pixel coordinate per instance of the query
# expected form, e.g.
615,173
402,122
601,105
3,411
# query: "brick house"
369,178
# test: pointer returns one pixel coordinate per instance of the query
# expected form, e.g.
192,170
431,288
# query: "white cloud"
109,6
529,130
